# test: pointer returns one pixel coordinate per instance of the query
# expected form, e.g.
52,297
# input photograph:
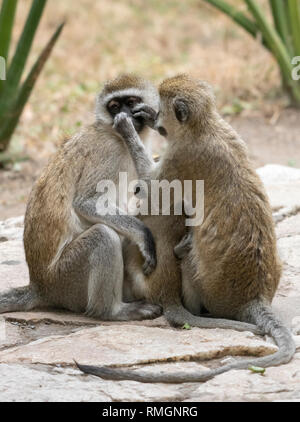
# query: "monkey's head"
122,95
185,104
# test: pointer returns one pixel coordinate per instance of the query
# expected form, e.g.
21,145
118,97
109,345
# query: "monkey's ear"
182,110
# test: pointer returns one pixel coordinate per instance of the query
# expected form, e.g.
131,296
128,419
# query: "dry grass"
156,38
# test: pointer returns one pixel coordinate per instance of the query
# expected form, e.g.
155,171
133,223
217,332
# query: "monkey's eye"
132,101
113,106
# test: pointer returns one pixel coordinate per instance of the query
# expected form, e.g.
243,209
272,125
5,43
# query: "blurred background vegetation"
281,37
156,38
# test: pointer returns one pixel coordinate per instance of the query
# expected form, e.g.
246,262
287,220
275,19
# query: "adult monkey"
73,253
230,264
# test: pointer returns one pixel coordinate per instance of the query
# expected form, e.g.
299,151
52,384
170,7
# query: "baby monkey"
230,265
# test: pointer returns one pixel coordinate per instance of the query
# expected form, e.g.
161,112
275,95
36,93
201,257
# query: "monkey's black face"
126,105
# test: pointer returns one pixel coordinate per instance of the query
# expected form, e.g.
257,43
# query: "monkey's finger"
122,117
122,121
146,117
145,107
149,265
142,114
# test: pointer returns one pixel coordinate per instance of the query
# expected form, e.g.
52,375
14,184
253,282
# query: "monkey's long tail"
19,299
255,312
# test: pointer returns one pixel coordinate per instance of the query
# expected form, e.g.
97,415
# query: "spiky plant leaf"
294,15
239,17
12,115
7,16
281,21
16,68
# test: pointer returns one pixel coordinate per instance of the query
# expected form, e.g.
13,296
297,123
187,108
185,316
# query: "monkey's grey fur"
74,254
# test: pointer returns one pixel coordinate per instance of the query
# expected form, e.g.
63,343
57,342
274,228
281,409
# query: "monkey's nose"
162,131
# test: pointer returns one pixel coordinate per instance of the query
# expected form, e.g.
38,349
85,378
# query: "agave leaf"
11,118
239,17
16,68
294,14
281,22
7,16
277,47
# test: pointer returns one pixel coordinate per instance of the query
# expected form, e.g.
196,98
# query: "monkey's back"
235,252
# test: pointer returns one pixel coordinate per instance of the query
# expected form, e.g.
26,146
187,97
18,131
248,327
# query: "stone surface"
37,348
113,345
275,174
47,384
68,318
11,229
13,268
289,227
276,385
282,185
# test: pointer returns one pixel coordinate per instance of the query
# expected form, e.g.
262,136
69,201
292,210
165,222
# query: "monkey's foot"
137,311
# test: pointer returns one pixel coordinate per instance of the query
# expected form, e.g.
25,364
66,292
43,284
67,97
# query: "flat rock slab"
13,267
11,229
38,348
21,382
288,227
282,185
275,174
115,345
68,318
288,309
277,384
40,383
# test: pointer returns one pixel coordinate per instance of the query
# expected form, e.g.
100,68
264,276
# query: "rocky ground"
37,349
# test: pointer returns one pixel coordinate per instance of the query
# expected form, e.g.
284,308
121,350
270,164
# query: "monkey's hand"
147,113
124,126
184,246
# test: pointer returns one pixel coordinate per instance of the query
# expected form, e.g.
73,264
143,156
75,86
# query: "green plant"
282,38
13,93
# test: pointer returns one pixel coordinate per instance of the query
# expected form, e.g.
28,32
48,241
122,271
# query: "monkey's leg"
190,294
178,315
126,225
90,272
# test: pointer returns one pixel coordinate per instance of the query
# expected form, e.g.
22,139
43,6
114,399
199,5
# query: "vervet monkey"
230,264
74,254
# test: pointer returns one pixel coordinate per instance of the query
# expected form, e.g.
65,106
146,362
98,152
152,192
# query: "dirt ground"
269,140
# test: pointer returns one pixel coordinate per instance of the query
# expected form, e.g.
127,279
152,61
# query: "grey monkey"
74,254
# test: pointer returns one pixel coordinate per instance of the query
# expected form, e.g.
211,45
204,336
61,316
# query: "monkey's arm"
144,163
126,225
